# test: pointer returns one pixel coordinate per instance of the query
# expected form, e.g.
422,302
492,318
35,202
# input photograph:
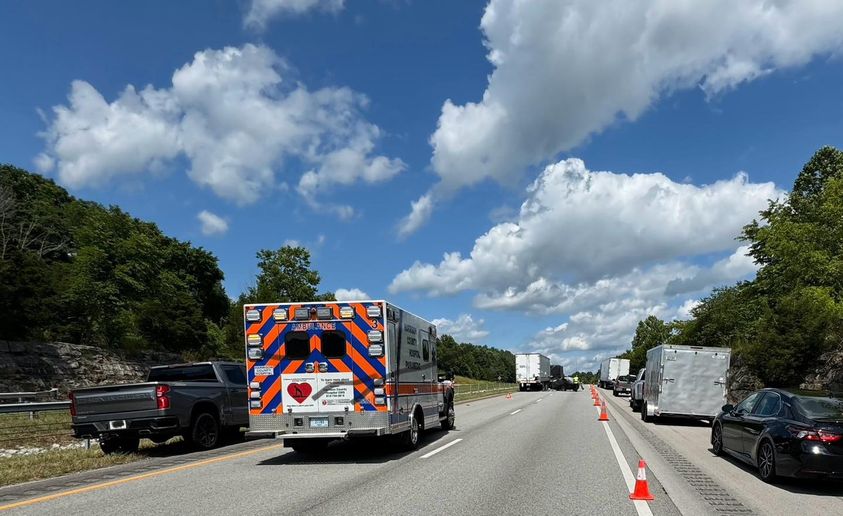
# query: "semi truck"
610,369
685,381
323,371
532,372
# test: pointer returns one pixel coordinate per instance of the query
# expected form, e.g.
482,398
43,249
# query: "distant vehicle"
200,401
557,372
322,371
532,372
636,399
783,434
623,385
610,369
570,383
685,381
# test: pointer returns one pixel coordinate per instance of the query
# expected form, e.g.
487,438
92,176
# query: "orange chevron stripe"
340,365
291,368
267,396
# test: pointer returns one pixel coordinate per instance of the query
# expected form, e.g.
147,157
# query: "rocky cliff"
37,366
829,375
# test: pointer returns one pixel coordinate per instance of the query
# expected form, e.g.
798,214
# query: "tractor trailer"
532,371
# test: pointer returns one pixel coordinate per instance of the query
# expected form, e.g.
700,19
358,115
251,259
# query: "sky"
532,175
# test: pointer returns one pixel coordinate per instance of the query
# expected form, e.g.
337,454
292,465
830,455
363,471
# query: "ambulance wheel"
449,423
410,438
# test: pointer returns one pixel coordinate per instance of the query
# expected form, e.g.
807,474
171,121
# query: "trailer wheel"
644,416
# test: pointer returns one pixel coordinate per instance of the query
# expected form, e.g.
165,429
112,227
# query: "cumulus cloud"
212,224
419,213
260,11
350,294
580,226
235,119
463,329
602,251
565,70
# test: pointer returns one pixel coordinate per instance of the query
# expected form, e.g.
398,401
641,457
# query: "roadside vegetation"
25,468
782,322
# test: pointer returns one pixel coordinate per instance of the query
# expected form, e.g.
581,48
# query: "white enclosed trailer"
686,381
532,371
610,369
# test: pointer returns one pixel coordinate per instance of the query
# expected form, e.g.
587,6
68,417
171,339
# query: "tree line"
782,322
76,271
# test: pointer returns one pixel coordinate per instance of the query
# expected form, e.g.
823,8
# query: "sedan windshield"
821,408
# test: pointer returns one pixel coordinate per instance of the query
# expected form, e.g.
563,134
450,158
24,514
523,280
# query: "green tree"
649,333
285,276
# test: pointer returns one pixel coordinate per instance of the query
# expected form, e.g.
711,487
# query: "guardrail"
39,406
20,396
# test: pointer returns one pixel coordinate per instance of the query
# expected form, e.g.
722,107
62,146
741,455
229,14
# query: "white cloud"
581,226
212,224
463,329
350,294
233,116
602,251
565,70
260,11
419,213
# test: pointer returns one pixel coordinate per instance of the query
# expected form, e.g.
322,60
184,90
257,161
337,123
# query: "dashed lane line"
441,448
513,413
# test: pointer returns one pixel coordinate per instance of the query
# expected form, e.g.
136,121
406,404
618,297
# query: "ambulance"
321,371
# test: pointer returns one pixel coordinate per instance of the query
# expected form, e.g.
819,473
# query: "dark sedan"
783,434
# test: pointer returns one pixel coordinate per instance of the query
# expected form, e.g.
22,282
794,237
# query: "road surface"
537,453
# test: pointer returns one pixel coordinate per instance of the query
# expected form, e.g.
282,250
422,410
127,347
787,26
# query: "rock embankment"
38,366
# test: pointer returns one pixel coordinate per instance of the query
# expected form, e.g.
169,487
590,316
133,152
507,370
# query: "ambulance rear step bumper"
283,434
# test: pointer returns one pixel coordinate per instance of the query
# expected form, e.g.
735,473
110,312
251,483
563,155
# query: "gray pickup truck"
200,401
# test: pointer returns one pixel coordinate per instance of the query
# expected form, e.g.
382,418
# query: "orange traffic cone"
642,489
509,395
597,401
604,416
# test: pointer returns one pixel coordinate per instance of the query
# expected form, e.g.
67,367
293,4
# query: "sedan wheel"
767,462
717,439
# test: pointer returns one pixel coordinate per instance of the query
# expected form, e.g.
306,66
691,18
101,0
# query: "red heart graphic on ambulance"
299,391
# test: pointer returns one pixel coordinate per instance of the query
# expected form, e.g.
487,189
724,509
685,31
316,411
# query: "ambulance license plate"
319,422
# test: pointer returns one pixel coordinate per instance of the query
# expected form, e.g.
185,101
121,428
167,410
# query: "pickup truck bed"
198,401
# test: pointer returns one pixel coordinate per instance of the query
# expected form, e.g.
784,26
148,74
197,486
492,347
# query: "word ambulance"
323,371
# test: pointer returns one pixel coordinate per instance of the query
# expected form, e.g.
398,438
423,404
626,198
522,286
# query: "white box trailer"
532,371
610,369
685,381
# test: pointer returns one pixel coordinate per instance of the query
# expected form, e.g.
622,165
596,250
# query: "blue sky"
639,137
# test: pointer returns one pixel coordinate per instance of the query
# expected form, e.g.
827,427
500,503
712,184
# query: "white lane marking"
513,413
641,506
437,450
538,400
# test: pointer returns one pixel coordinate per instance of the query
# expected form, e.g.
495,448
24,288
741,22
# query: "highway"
536,453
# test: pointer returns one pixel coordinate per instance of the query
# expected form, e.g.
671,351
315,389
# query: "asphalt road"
705,481
537,453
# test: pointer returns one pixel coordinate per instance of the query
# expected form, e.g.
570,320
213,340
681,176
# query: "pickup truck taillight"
161,396
72,404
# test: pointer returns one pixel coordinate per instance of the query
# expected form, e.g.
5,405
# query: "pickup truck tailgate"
116,398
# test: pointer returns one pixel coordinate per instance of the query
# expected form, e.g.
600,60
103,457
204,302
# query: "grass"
17,430
15,470
469,388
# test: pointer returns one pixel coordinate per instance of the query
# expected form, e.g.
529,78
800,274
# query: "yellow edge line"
119,481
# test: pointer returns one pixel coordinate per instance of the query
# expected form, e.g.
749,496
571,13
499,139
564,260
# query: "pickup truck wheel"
204,431
614,393
449,423
644,417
